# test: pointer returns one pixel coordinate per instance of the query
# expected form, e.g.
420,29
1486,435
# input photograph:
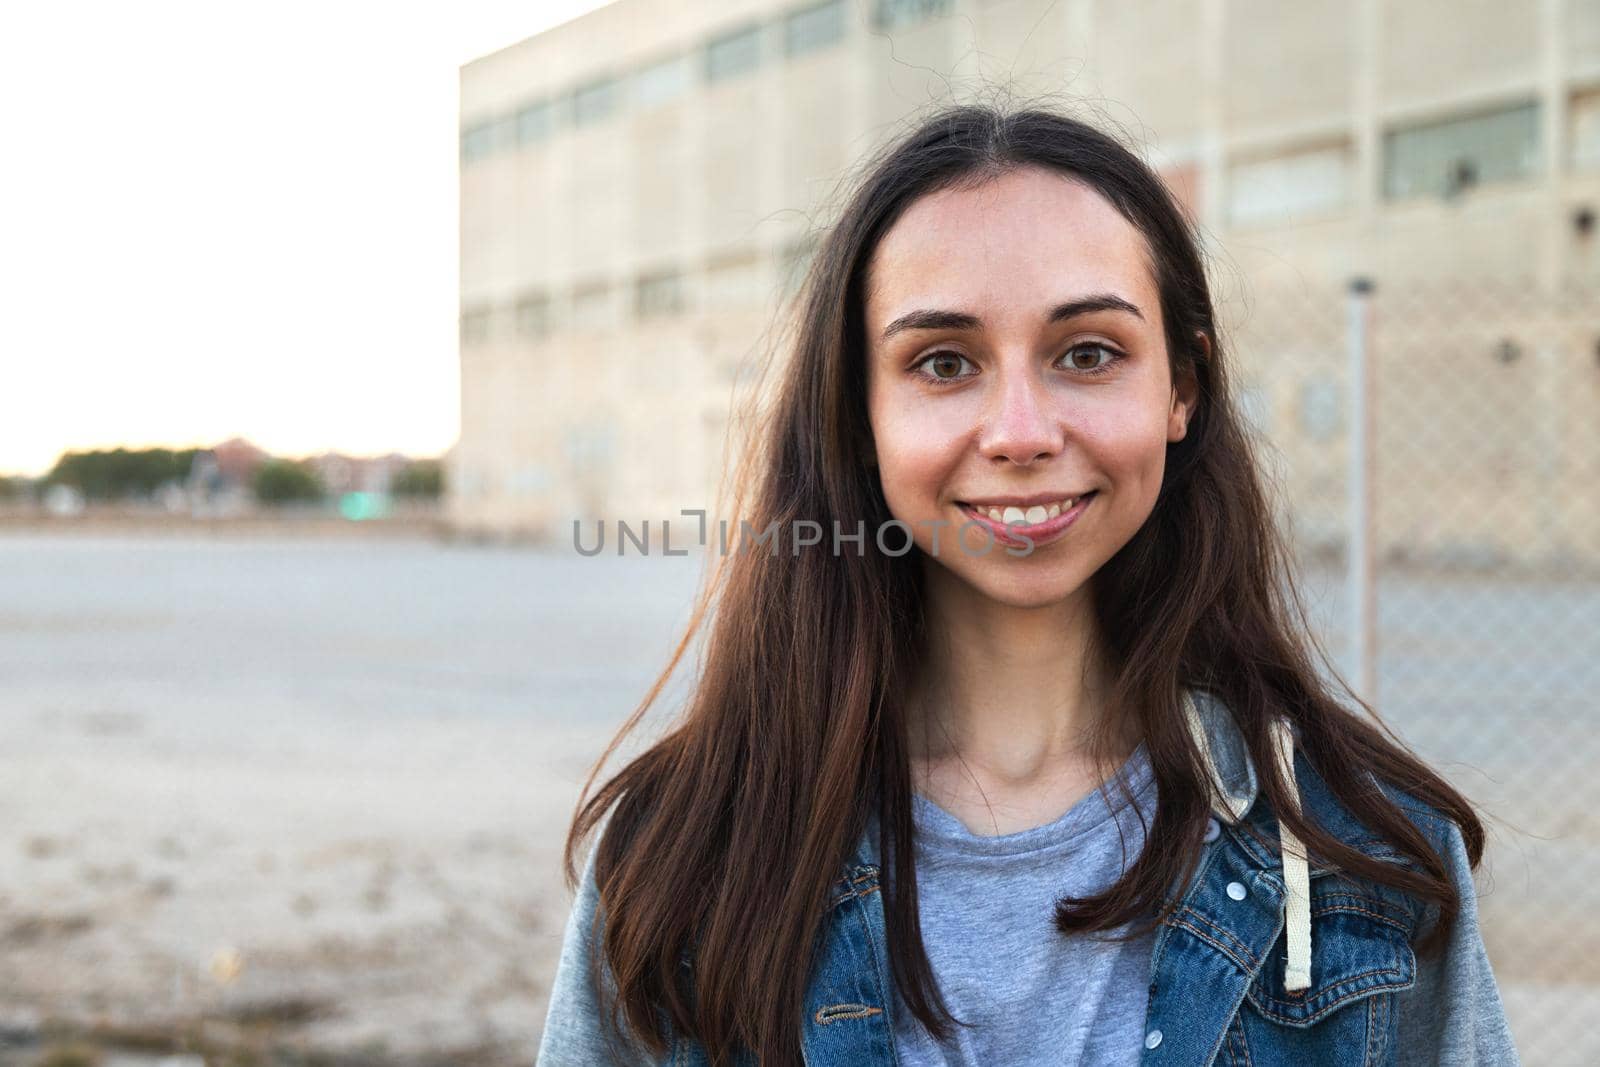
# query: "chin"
1023,587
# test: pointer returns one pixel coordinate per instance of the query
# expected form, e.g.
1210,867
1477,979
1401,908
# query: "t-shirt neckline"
937,827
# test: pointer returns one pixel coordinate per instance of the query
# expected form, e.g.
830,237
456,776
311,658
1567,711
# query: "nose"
1021,425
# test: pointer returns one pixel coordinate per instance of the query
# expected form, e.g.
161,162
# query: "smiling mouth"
1024,517
1014,522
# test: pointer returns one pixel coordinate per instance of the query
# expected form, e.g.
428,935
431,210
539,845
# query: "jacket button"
1213,830
1236,890
1152,1039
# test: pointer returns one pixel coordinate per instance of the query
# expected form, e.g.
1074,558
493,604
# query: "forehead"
1029,237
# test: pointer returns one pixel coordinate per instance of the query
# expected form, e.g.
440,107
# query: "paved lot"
329,779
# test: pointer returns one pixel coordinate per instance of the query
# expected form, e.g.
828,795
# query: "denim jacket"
1223,985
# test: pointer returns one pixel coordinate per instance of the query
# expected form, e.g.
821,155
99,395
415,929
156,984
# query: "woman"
1049,623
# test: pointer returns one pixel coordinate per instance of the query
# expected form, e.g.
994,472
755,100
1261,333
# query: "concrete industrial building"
641,186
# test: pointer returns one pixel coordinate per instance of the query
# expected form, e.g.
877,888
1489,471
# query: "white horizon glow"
233,221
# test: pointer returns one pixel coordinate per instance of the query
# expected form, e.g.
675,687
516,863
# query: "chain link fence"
1435,451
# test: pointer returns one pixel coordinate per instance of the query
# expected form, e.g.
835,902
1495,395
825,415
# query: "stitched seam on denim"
1244,949
1395,971
1383,1045
853,890
1213,942
1365,899
1234,948
1372,1010
1263,999
1253,847
1227,1046
1244,1042
1348,910
867,892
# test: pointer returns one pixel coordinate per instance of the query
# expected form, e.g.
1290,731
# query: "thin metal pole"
1358,560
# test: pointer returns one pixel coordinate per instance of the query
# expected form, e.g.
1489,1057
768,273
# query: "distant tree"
18,488
424,478
119,473
282,481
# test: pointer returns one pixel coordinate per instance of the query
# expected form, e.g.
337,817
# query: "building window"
479,140
658,294
475,324
533,316
593,102
1450,157
534,122
812,28
592,307
893,14
662,82
1291,186
1585,137
733,53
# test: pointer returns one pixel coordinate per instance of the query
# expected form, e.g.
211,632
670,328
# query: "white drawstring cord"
1296,874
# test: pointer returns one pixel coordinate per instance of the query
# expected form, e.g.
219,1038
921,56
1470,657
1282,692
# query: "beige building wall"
638,185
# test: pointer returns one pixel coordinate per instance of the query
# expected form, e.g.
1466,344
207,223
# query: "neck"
1013,694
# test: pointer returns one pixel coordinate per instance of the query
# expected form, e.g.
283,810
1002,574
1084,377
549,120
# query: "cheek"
1130,445
911,471
919,446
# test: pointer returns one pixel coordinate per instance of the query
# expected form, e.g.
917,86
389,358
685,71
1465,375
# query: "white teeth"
1031,516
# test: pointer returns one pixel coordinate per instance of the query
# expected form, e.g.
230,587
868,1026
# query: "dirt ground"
311,795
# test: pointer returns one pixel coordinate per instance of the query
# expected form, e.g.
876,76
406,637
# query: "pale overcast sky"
221,219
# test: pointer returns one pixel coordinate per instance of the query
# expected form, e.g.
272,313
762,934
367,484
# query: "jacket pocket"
1360,946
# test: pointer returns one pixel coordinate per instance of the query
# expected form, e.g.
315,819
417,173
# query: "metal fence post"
1358,557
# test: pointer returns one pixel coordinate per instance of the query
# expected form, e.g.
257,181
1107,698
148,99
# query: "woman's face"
1016,360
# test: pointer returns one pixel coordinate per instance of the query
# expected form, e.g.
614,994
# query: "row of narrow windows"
798,32
1445,158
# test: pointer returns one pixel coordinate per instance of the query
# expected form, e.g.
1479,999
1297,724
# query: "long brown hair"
728,832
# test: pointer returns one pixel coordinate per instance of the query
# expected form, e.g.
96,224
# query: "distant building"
238,459
356,474
220,479
638,191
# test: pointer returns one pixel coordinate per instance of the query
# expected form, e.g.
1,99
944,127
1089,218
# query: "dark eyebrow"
960,320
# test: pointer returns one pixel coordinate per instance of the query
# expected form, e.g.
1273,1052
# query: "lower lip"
1042,534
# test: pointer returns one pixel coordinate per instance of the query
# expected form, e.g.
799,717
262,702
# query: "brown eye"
1091,352
943,367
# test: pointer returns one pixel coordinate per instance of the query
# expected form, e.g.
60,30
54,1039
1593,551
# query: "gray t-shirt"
1037,996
